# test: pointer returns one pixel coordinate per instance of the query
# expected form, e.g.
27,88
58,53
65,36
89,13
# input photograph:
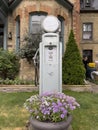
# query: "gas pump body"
50,63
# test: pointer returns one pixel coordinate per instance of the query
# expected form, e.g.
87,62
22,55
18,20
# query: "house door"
89,54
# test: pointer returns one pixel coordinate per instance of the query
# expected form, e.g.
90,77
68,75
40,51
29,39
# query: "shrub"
72,66
9,64
30,46
16,81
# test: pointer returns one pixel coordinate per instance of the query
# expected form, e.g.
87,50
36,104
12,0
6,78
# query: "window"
17,33
81,4
87,31
36,21
1,35
62,23
87,3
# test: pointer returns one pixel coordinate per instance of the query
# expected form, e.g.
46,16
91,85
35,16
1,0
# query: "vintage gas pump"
50,57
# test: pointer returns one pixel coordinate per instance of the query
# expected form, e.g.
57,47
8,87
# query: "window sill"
88,42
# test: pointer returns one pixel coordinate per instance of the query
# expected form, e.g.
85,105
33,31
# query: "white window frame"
87,31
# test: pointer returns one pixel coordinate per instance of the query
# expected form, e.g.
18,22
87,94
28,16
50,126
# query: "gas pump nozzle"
35,57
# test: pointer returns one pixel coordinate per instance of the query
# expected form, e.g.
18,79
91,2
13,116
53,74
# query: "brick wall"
76,19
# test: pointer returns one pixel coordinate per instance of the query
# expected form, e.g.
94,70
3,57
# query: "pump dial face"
51,24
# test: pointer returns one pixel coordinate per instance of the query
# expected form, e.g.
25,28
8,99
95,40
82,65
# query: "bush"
9,64
30,46
73,69
16,81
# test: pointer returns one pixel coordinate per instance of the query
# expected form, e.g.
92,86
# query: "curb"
78,88
30,88
18,88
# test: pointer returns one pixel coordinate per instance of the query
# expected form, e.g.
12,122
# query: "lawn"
85,118
13,115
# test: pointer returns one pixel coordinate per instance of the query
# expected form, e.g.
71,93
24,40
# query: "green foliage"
73,71
16,81
30,46
9,64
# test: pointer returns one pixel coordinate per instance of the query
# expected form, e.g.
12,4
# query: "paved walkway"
94,87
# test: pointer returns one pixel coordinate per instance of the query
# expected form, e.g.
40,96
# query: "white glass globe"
50,24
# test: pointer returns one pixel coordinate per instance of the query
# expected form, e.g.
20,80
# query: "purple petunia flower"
62,116
50,106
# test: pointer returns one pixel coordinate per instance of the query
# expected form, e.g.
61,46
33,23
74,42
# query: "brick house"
19,16
89,28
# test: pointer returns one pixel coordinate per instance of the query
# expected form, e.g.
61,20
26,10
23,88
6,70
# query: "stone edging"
78,88
18,88
30,88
